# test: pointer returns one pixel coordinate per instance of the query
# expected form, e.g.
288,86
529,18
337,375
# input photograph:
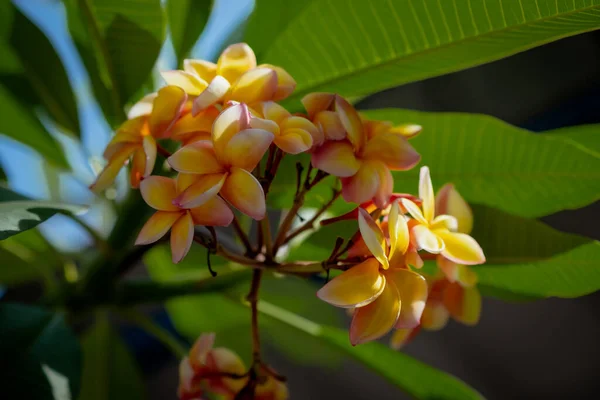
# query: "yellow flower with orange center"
383,291
362,154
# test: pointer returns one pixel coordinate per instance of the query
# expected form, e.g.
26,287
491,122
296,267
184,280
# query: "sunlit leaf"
187,19
357,47
18,213
587,136
499,165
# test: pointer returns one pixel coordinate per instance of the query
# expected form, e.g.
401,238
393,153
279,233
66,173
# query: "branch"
310,223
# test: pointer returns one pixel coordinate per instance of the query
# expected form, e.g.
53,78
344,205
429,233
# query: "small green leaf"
110,372
187,19
44,70
43,353
17,213
587,136
499,165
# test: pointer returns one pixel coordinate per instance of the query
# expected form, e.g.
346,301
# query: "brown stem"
253,299
162,151
311,222
243,236
222,251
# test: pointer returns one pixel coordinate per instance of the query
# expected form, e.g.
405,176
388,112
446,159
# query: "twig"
311,222
162,151
253,300
242,235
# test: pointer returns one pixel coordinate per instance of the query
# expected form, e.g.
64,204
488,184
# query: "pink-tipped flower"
235,77
357,152
159,193
224,165
383,291
150,119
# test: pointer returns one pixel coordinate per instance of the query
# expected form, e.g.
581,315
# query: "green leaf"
320,243
20,123
119,42
110,372
43,353
415,378
187,19
45,72
357,47
26,257
499,165
18,213
587,136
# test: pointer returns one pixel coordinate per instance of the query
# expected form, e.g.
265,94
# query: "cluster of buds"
226,120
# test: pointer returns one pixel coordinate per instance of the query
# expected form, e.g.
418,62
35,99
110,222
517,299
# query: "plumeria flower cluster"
231,135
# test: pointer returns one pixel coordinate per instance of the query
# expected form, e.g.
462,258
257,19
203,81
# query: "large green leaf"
18,213
357,47
45,358
187,19
20,123
119,42
499,165
45,72
25,257
110,372
587,136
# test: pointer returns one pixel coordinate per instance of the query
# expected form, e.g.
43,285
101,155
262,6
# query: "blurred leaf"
587,136
21,124
318,245
499,165
268,20
44,69
110,372
415,378
37,347
18,213
26,257
119,42
357,47
187,19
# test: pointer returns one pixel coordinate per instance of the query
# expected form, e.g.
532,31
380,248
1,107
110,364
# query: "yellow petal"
435,316
377,318
329,123
232,120
386,185
285,83
196,158
425,239
235,60
256,85
214,93
157,226
461,248
143,107
336,158
373,237
401,337
274,112
294,141
393,150
356,287
426,194
182,236
300,123
205,188
215,212
138,166
184,181
463,304
315,102
189,123
412,289
351,122
398,228
167,108
408,130
224,360
450,202
245,193
107,176
246,148
363,186
206,70
414,210
158,192
444,222
149,144
192,84
125,137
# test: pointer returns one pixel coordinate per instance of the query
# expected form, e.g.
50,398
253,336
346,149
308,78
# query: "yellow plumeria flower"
437,234
224,165
159,193
151,119
385,293
363,162
235,77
